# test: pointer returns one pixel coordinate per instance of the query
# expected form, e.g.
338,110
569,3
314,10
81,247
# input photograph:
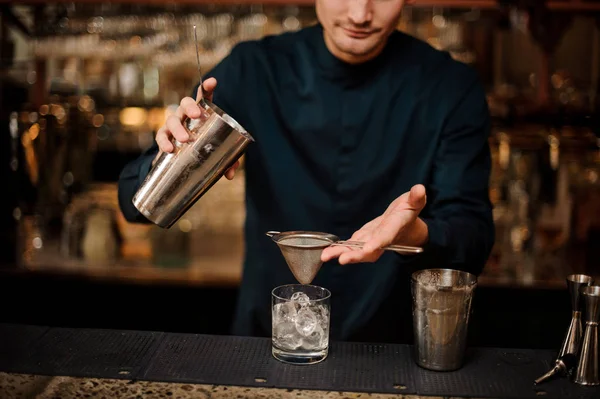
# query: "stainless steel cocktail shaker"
178,179
441,310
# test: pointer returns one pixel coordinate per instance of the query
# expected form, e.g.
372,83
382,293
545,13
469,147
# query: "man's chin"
359,46
357,51
353,50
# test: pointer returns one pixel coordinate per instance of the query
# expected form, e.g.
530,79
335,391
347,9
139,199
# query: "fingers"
382,231
366,253
176,129
399,219
389,228
163,141
386,232
359,256
349,254
333,252
230,173
188,107
209,86
173,128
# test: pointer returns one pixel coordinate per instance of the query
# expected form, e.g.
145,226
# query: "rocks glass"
300,323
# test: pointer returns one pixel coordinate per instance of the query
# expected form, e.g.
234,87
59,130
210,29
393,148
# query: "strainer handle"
403,249
271,233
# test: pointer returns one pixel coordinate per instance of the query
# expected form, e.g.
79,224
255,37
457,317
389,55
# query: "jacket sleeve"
458,211
131,178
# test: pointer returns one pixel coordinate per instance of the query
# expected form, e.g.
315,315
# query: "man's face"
357,30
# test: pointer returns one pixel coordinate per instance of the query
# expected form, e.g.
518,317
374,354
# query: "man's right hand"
188,107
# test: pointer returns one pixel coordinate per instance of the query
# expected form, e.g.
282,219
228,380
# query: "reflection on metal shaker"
178,179
441,309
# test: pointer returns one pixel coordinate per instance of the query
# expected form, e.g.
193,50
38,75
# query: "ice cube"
300,297
322,314
317,340
284,312
286,337
306,321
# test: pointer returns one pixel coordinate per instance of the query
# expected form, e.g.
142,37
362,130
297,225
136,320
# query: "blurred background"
85,85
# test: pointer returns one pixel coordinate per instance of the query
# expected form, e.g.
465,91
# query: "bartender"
361,131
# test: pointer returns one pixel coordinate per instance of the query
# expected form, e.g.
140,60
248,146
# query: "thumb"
417,197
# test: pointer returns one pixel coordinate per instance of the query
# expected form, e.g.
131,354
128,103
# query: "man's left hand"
399,224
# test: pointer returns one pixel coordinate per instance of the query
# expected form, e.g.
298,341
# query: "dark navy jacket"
335,145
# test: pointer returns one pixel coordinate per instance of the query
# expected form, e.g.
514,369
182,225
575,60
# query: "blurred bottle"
100,243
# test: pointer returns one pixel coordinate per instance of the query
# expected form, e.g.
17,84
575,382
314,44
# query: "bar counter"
45,387
52,362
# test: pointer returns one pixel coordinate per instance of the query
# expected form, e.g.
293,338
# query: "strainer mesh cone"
302,253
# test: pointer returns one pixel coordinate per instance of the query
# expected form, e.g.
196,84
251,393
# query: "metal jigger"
562,367
587,368
573,338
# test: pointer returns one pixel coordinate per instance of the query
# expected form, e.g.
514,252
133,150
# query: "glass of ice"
300,321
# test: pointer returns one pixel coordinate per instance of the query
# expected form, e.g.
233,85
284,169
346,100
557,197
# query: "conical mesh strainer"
302,250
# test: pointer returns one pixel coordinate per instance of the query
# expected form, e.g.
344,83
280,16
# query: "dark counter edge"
247,362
